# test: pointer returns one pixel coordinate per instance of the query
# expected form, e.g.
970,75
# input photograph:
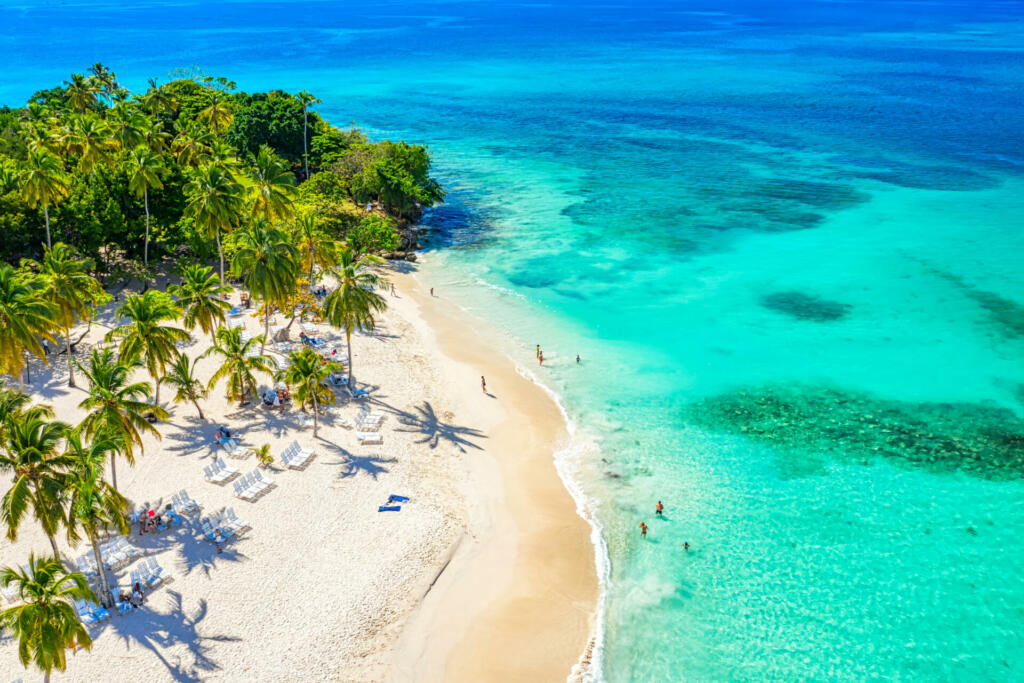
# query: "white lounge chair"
369,437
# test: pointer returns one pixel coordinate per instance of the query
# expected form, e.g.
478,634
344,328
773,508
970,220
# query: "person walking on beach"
538,351
431,291
393,289
643,529
659,508
483,383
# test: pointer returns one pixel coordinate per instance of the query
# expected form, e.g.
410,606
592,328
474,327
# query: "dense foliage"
115,174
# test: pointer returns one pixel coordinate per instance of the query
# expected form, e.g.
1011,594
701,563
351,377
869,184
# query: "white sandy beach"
323,586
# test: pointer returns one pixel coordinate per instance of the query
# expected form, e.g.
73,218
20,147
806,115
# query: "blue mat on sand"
389,508
397,499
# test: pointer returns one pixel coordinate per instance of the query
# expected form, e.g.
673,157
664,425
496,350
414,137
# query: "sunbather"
218,538
138,596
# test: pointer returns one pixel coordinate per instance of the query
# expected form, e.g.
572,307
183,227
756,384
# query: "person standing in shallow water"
643,529
538,351
659,508
540,358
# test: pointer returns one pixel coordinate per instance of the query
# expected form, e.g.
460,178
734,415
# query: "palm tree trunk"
71,366
113,469
46,216
53,544
315,411
348,343
108,599
266,326
305,150
198,409
145,251
311,268
220,252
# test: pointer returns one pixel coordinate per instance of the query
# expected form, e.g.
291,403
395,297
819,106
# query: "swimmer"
643,529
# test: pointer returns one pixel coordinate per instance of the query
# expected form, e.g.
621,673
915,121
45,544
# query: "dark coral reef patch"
979,440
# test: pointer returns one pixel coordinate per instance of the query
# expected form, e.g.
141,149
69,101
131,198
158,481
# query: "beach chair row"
218,472
250,486
183,502
90,613
234,449
149,573
296,457
117,552
228,522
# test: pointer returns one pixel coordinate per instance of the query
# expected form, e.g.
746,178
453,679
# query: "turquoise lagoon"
786,240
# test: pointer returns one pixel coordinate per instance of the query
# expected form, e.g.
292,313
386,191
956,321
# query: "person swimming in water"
686,546
643,529
577,359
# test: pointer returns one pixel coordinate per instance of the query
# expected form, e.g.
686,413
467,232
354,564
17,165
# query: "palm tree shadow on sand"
351,464
424,420
159,631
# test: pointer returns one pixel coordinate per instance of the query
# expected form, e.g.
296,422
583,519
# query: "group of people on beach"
659,511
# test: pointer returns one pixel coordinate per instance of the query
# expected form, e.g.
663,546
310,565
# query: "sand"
488,558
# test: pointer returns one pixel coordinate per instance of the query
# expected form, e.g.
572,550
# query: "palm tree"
127,124
269,262
191,143
94,504
154,137
24,317
89,138
240,361
306,374
271,185
214,202
81,93
306,99
157,100
117,409
16,405
202,296
182,377
39,470
219,114
45,624
316,246
43,183
353,304
144,167
145,338
70,289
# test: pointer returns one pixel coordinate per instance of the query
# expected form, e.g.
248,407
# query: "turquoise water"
786,240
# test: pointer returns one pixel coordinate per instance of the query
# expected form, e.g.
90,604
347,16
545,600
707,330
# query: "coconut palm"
306,100
219,114
25,317
214,202
33,458
80,92
188,387
89,138
43,182
144,168
315,245
203,298
146,338
17,405
269,262
127,124
306,374
239,363
154,137
158,101
45,624
94,504
116,408
191,143
71,290
271,185
353,304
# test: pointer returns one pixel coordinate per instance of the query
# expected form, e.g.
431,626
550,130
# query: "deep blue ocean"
787,241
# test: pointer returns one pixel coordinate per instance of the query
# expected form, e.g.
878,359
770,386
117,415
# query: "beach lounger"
284,347
187,503
235,450
263,483
156,570
90,613
308,328
369,437
357,393
234,522
209,527
389,508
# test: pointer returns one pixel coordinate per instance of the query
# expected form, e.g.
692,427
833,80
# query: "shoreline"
524,577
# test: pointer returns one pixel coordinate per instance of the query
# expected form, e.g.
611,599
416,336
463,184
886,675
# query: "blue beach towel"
397,499
389,508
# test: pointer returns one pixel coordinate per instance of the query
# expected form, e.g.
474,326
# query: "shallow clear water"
787,243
